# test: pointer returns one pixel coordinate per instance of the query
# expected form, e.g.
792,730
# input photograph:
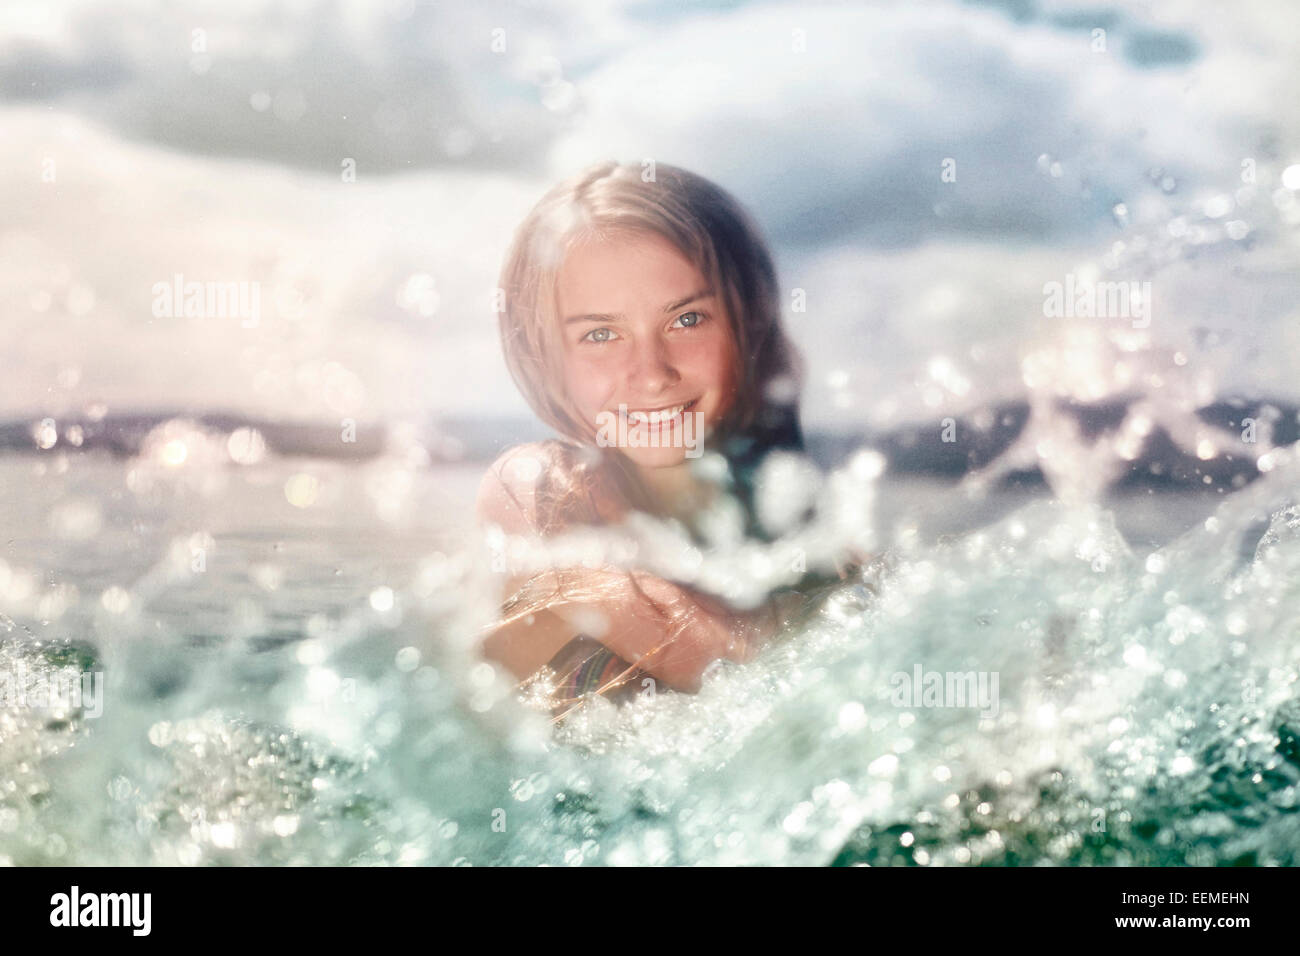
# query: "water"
287,644
309,696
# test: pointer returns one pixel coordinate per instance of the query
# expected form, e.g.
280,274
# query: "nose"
652,370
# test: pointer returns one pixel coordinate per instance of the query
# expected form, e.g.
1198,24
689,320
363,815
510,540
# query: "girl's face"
646,343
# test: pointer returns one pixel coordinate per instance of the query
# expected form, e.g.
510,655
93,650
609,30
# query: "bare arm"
668,630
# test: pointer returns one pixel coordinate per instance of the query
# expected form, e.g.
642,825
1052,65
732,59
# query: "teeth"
655,418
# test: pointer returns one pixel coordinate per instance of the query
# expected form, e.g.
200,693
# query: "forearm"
668,630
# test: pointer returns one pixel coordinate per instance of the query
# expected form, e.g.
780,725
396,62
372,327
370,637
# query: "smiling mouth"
658,416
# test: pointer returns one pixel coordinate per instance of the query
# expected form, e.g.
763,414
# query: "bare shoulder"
519,485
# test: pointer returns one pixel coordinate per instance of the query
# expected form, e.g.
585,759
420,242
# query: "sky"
144,140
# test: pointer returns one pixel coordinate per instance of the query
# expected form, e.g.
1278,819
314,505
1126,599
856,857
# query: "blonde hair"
711,230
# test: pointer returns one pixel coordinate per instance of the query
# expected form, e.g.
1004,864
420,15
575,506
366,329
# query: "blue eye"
696,317
599,335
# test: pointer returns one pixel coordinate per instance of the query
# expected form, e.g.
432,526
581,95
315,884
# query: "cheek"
589,382
718,366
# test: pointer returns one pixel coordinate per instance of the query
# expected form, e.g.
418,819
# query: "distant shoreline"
915,449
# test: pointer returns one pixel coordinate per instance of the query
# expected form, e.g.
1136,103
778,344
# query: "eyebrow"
671,306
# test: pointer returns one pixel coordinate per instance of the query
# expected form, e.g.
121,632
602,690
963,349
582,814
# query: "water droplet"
407,660
116,600
301,490
1218,206
382,599
246,446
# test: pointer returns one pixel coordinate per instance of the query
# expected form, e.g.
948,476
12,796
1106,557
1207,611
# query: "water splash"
300,701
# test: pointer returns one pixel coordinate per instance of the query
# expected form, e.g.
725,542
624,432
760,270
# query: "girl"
641,322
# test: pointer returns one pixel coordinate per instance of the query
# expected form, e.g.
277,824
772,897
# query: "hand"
851,563
759,626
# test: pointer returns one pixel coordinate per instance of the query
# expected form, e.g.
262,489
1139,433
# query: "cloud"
80,256
839,119
394,85
225,163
